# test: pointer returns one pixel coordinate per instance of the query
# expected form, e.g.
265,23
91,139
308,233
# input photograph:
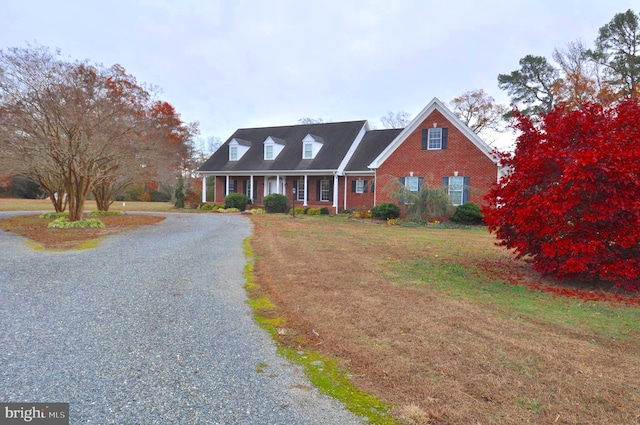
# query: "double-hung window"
435,138
412,183
233,153
268,152
308,150
300,190
360,185
325,190
456,190
233,186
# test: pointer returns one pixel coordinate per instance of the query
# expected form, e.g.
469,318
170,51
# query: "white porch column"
335,192
204,188
375,191
344,207
306,190
251,188
278,184
226,186
265,186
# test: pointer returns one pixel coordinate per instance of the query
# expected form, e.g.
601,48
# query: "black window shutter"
420,183
425,138
245,187
465,192
364,189
373,186
445,137
401,200
353,185
445,181
330,191
317,190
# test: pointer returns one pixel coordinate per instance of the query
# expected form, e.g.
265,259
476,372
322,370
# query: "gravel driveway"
149,328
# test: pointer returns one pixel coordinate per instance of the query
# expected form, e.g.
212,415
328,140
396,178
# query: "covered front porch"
308,190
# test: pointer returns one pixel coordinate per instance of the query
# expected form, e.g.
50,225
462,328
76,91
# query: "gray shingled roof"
336,137
373,143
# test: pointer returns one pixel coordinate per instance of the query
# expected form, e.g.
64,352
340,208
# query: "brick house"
346,165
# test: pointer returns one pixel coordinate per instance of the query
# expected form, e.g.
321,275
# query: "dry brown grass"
443,357
14,204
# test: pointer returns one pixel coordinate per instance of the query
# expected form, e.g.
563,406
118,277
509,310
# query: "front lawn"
446,326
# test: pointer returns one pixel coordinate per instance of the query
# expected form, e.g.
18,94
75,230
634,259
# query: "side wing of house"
437,150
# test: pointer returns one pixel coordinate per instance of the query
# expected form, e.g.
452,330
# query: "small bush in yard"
324,211
104,213
54,215
191,199
313,211
275,203
468,213
236,200
64,223
385,211
206,207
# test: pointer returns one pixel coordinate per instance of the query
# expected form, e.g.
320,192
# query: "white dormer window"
308,150
272,147
237,148
311,145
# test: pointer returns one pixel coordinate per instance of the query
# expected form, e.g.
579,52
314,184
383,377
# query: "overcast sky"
231,64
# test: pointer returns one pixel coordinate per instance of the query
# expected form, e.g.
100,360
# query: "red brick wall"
461,155
355,200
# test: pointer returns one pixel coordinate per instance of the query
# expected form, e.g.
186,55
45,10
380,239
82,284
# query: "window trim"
307,150
233,153
457,188
326,190
360,186
300,190
408,185
268,152
233,186
437,145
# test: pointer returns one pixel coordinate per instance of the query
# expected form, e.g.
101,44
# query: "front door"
272,186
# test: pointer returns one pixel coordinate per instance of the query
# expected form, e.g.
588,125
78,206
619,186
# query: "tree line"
606,73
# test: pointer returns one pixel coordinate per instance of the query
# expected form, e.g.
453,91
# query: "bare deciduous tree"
75,127
397,120
308,120
479,111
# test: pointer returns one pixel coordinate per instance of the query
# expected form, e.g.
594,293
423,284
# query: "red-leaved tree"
571,200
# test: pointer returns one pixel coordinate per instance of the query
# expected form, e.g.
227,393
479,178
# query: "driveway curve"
151,327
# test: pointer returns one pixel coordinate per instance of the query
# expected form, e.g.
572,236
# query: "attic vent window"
233,153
